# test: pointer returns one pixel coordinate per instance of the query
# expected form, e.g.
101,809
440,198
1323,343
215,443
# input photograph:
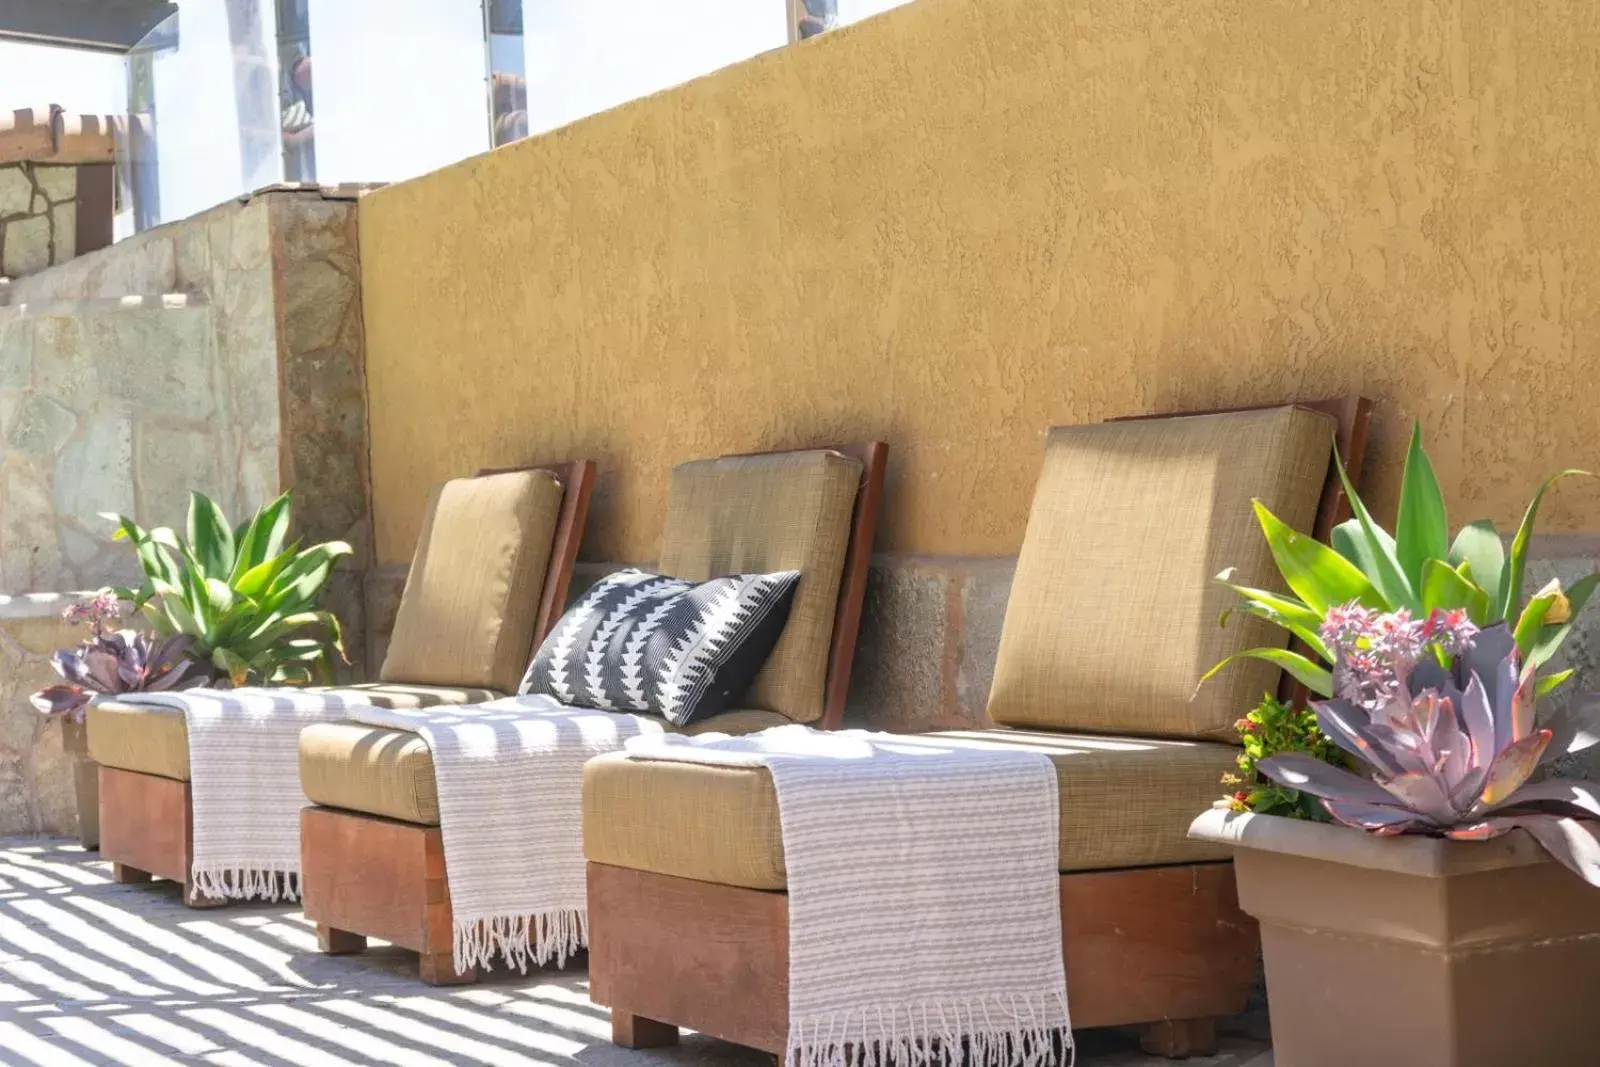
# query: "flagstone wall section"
221,353
38,217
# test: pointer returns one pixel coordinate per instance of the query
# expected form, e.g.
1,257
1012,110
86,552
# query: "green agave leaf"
210,537
1447,589
272,633
1386,573
1317,679
175,608
1511,581
219,596
1283,611
1318,575
1549,682
262,538
255,581
304,578
1421,529
1478,544
1351,541
1546,641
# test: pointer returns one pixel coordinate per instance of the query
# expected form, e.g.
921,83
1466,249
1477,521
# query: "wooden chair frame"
367,876
1163,947
147,821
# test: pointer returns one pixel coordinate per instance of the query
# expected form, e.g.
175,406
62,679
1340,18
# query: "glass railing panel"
585,56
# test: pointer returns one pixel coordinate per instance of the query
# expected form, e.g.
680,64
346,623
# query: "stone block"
316,299
898,679
16,349
382,588
95,471
16,190
36,784
148,268
169,462
28,546
63,364
984,596
192,259
344,597
42,426
64,223
27,249
60,184
249,235
157,359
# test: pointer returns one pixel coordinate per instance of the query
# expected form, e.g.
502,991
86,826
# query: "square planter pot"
1416,950
85,781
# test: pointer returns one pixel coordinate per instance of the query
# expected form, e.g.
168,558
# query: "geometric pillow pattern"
651,644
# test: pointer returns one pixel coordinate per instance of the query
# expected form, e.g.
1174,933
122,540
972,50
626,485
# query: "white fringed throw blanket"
510,778
924,907
244,773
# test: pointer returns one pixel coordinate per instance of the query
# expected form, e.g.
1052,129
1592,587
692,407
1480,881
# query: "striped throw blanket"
924,908
244,774
510,778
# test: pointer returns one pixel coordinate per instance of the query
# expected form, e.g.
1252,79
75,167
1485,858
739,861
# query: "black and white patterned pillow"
641,642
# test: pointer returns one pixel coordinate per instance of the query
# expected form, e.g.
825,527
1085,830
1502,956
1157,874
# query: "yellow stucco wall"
960,223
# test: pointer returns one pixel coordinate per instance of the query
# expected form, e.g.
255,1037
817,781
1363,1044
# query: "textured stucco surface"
964,221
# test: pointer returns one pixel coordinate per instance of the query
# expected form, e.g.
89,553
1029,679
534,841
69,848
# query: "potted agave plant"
108,661
1423,898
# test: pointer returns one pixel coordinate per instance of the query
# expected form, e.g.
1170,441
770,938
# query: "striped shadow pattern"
510,781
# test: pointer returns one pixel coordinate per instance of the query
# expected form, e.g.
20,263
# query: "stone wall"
36,781
38,217
221,353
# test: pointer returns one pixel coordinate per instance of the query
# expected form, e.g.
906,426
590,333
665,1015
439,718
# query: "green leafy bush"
1418,569
1273,729
248,600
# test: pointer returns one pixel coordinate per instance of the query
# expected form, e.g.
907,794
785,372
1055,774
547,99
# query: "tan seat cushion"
471,599
384,772
1114,610
1125,802
759,514
136,737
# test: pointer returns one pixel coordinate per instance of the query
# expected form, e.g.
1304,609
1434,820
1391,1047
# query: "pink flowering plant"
1438,719
114,661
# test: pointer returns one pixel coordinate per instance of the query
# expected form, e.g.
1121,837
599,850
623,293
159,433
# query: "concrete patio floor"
97,973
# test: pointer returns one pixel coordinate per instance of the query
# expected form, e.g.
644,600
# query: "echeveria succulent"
115,661
1451,749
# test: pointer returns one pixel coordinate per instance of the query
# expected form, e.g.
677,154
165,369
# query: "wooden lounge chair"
489,578
372,851
1113,617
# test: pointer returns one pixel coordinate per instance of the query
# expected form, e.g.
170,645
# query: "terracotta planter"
1417,950
85,781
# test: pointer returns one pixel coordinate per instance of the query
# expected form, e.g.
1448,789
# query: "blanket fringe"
1010,1031
247,883
521,939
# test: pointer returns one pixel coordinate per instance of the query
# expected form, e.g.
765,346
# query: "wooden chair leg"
122,874
1178,1039
439,968
635,1031
339,942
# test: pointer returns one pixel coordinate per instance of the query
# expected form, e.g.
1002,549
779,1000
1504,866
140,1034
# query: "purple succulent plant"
115,661
1451,749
